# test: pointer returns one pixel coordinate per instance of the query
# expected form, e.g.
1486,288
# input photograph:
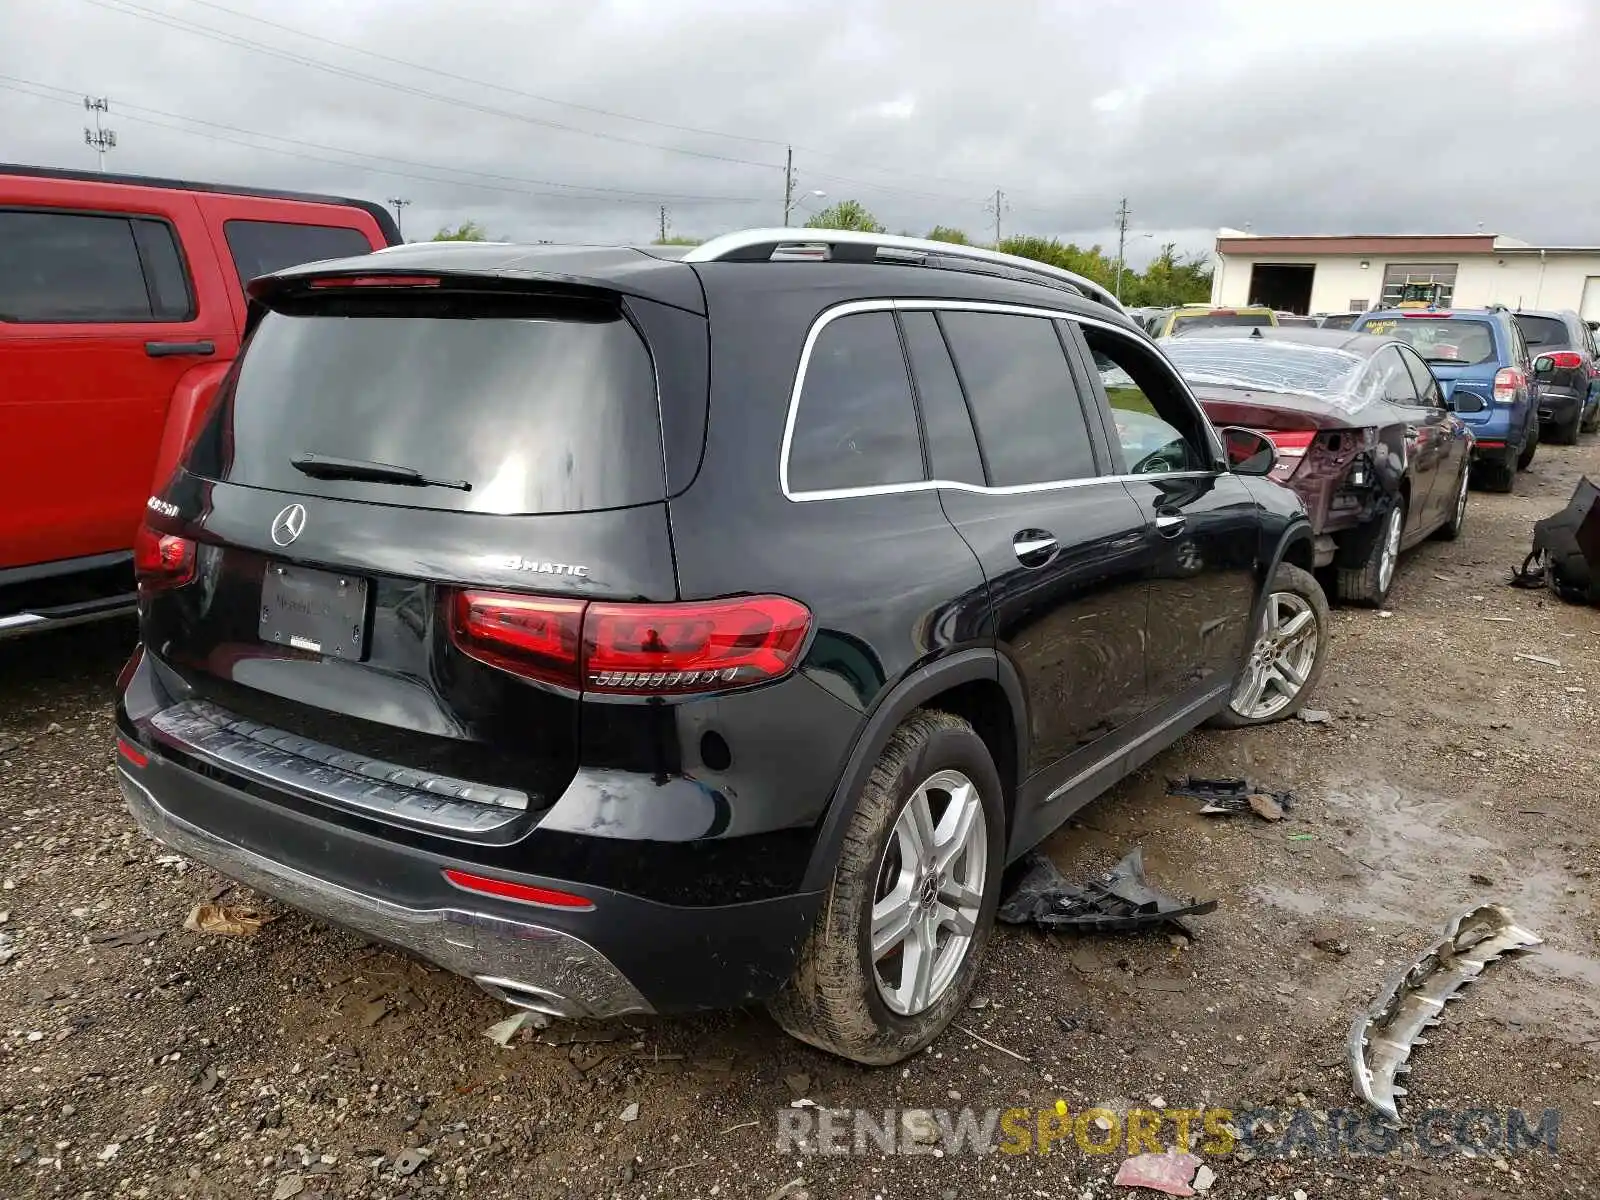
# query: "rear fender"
187,408
919,687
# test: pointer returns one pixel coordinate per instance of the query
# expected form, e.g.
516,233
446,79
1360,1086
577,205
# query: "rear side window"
539,408
855,424
952,446
73,268
1427,385
262,247
1030,422
1544,333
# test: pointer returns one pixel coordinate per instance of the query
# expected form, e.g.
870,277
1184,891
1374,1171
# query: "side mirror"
1249,452
1543,365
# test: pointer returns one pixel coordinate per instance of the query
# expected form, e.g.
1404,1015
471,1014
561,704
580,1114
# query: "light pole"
790,206
399,203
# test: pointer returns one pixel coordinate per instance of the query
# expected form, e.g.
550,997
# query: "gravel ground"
141,1060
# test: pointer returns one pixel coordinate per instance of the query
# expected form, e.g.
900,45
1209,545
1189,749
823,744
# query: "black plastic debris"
1120,899
1228,795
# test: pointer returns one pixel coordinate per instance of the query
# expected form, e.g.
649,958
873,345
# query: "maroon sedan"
1363,433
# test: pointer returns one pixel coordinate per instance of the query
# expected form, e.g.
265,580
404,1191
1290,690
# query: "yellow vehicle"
1421,294
1188,318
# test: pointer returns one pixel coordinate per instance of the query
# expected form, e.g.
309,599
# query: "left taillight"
1292,445
632,649
1566,360
162,560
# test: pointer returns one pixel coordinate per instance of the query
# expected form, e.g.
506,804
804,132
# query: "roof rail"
901,249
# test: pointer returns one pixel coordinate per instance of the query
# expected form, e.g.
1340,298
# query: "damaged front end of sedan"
1382,1038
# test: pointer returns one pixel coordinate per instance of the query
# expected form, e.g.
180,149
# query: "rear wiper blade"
325,466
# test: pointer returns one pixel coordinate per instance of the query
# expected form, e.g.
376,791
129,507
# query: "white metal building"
1353,272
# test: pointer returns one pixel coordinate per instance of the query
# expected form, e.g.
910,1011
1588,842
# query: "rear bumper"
1560,405
525,963
624,955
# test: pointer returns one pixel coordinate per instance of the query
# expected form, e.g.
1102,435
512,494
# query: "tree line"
1170,278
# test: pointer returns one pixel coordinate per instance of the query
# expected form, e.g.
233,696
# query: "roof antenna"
1255,331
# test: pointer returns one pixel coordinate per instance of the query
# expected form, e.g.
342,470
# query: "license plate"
319,611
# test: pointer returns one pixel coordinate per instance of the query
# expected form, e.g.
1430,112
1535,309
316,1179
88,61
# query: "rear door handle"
1035,547
174,349
1169,524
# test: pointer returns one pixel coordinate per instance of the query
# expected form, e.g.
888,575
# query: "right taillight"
1566,360
161,560
1508,381
632,649
1292,445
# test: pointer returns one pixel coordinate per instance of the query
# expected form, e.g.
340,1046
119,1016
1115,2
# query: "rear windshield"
538,413
1445,340
1268,366
1544,333
1187,323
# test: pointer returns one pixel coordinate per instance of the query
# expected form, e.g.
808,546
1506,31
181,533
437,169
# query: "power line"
619,195
604,112
499,87
139,12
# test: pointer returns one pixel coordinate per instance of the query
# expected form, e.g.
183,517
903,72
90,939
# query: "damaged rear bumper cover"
1381,1039
525,964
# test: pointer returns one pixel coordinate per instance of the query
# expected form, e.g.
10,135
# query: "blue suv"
1483,366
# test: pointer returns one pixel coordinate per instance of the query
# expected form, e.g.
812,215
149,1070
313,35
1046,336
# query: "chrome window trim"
854,307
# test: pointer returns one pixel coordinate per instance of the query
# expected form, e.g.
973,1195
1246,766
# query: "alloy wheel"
1390,554
930,888
1281,660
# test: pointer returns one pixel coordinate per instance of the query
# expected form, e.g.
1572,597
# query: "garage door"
1591,298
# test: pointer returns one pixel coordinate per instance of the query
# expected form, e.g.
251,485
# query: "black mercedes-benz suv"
634,631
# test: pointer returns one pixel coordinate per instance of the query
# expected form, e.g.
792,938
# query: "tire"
1529,447
1451,529
1371,582
1566,433
1498,476
1591,420
837,999
1306,593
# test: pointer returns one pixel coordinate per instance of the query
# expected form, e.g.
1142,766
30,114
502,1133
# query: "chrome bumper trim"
334,776
529,965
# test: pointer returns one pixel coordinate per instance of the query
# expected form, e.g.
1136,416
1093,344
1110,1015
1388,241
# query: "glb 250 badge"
165,507
515,562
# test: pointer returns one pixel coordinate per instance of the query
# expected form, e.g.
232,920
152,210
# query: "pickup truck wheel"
904,923
1451,529
1290,650
1371,582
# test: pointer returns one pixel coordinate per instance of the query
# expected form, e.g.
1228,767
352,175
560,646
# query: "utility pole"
663,238
101,139
1122,241
998,207
398,203
788,183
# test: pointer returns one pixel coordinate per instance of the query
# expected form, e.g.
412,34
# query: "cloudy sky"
577,120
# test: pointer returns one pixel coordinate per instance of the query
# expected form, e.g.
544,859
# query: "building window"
1358,306
1397,275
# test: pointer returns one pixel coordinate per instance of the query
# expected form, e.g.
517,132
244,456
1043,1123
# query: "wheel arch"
978,685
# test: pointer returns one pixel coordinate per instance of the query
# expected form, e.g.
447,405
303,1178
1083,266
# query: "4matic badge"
515,562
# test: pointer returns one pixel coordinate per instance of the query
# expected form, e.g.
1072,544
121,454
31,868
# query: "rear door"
1202,520
109,296
1446,436
1061,544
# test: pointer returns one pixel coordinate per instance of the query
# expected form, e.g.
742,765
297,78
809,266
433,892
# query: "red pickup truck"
121,308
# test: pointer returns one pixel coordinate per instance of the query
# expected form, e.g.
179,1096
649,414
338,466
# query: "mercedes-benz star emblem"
286,526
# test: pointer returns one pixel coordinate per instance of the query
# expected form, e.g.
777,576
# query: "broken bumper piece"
1382,1038
1120,899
